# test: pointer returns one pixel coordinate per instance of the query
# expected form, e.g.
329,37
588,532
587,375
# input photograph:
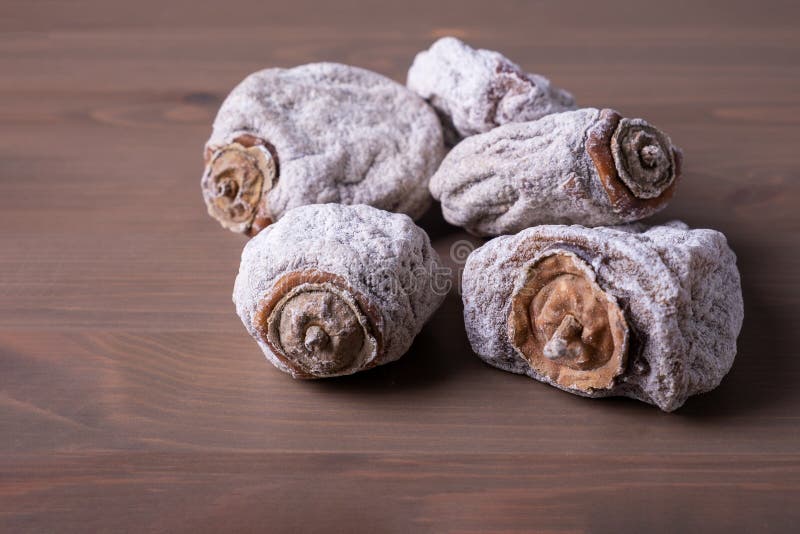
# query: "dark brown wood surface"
131,398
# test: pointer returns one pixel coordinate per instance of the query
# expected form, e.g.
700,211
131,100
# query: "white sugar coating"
523,174
341,134
515,176
477,90
384,256
679,289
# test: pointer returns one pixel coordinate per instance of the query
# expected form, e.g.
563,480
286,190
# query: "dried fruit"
589,167
566,326
331,289
477,90
238,177
318,133
650,313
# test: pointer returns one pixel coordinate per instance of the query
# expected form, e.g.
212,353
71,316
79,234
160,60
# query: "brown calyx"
235,182
566,326
318,325
638,166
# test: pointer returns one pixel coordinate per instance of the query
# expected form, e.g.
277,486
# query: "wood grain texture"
131,398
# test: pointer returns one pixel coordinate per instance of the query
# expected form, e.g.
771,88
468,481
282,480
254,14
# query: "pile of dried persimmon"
327,166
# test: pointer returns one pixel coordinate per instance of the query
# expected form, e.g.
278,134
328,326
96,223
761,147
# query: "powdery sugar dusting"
477,90
342,134
523,174
382,255
680,290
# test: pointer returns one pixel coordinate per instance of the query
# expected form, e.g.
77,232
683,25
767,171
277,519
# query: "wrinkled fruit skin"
678,290
330,289
559,169
337,134
474,91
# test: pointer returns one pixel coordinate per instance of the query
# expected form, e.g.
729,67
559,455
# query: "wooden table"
131,398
